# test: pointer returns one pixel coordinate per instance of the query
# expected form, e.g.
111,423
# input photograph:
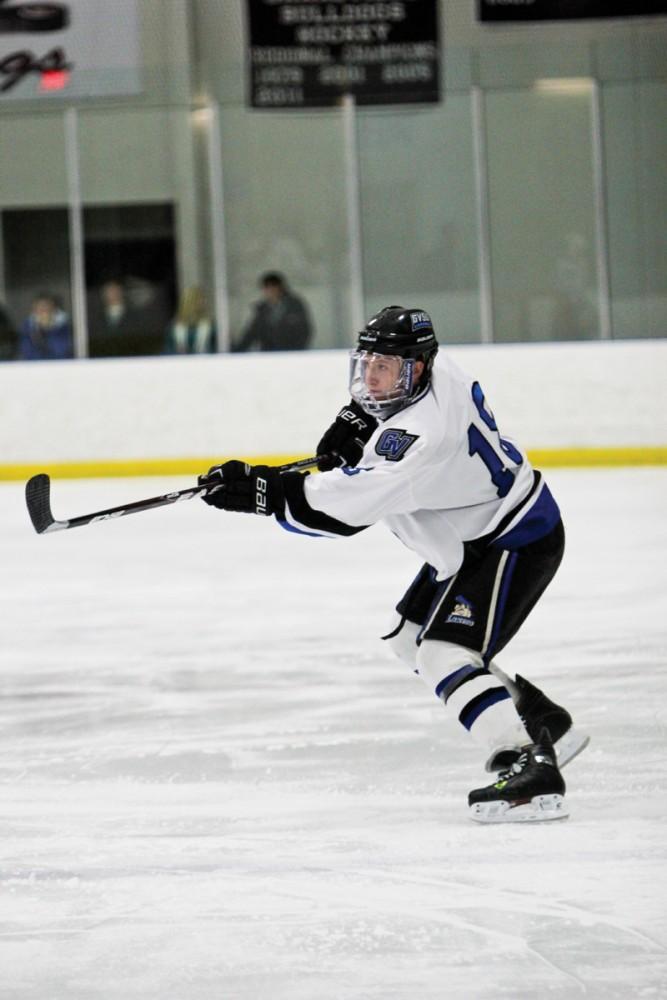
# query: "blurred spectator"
117,327
576,312
281,321
46,333
192,331
8,336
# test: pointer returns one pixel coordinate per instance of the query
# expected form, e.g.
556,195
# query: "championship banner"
82,48
563,10
309,53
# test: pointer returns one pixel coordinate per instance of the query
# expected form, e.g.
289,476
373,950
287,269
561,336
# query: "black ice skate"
537,713
531,790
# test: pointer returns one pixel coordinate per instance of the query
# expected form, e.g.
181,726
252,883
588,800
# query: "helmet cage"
394,398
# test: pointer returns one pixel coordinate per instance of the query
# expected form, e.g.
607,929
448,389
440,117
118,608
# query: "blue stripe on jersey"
474,708
314,520
298,531
542,518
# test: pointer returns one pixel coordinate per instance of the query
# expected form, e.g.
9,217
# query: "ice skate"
531,790
537,713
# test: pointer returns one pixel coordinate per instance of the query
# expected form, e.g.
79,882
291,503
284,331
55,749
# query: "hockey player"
418,448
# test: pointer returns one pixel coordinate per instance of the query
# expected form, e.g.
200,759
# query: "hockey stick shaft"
38,500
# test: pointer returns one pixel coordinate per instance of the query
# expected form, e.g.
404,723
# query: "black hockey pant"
485,603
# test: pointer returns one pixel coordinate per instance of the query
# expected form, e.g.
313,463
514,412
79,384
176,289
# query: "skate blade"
540,809
570,746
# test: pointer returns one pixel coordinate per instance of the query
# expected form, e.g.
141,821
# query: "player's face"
381,375
382,383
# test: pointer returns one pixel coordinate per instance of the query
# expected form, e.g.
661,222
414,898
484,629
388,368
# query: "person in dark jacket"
281,321
8,336
119,328
45,334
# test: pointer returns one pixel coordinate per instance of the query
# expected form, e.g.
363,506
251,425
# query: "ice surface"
217,784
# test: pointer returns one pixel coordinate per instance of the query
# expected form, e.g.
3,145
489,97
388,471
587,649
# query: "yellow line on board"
540,457
134,466
555,457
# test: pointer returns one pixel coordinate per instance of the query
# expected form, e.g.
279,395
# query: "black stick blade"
37,497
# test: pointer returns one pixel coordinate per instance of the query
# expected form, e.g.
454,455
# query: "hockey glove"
343,443
251,489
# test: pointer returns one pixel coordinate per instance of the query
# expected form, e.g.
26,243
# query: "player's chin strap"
38,500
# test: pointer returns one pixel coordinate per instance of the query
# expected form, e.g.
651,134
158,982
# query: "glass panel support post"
75,225
483,222
218,240
353,213
600,208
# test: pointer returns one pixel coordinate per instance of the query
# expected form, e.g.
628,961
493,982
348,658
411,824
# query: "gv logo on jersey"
393,444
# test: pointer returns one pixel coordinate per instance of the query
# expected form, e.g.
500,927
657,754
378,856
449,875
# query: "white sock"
472,693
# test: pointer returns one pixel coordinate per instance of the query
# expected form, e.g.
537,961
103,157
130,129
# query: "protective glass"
380,383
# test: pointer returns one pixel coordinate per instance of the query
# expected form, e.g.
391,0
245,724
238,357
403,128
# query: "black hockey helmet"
396,330
400,332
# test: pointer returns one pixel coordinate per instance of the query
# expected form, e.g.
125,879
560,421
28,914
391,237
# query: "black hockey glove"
251,489
343,443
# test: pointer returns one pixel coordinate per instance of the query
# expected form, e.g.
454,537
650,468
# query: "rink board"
567,404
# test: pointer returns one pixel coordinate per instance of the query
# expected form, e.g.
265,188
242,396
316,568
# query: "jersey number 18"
501,477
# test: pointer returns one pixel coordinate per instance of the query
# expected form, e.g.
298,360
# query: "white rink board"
545,395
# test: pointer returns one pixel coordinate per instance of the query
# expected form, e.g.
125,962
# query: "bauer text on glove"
250,489
343,443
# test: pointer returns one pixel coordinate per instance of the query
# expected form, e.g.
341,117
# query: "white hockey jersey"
437,473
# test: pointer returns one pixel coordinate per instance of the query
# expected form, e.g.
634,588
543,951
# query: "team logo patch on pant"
463,613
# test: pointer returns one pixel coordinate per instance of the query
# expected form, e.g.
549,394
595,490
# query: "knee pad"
402,640
437,661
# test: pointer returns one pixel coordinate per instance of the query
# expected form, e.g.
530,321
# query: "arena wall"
585,403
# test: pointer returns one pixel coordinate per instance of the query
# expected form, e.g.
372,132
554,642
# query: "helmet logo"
420,320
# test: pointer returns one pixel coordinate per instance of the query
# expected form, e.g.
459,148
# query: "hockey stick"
38,500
